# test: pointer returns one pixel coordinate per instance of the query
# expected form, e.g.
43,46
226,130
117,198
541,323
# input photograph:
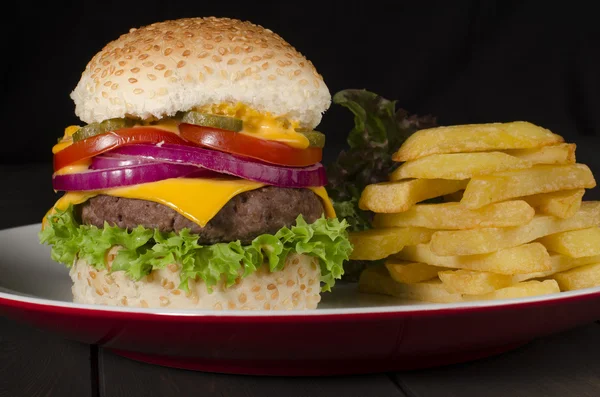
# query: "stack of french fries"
508,219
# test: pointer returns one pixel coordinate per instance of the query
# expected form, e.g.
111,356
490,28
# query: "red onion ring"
125,176
225,163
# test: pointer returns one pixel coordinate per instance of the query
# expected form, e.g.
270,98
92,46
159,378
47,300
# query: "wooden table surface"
36,363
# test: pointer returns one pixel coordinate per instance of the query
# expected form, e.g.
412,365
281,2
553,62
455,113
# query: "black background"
462,61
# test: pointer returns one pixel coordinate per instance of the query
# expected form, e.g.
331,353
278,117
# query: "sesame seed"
275,295
135,70
208,69
119,72
242,298
186,53
132,80
160,66
168,73
169,285
89,282
122,63
164,301
203,55
179,44
124,301
180,64
255,58
78,275
200,76
259,297
173,267
176,292
143,56
144,303
216,58
271,286
267,306
231,305
272,77
108,83
105,289
99,292
151,76
297,72
218,306
290,283
303,82
208,46
93,274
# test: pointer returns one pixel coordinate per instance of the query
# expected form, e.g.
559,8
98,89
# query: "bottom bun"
295,287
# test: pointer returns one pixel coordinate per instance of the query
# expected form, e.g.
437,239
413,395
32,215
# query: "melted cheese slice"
197,199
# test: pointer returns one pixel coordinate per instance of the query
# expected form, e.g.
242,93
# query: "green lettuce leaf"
379,131
144,249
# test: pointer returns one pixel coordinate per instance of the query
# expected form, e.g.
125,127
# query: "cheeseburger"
194,180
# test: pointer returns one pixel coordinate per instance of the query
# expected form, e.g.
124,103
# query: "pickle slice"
315,138
93,129
212,120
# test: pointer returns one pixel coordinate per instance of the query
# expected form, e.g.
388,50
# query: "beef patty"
246,216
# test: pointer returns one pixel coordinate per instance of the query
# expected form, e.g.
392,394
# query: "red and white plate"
349,332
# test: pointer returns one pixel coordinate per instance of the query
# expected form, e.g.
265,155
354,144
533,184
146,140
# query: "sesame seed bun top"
160,69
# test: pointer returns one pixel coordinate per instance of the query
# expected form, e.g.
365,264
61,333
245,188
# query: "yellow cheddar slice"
197,199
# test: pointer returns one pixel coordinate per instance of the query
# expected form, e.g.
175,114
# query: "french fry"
475,138
524,259
377,280
411,272
574,243
563,204
563,153
454,216
473,282
558,263
487,240
458,166
487,189
521,290
375,244
579,278
389,197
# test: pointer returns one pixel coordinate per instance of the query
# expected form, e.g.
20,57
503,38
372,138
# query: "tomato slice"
260,149
98,144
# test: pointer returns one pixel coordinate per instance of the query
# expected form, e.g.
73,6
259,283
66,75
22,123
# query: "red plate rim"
401,310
